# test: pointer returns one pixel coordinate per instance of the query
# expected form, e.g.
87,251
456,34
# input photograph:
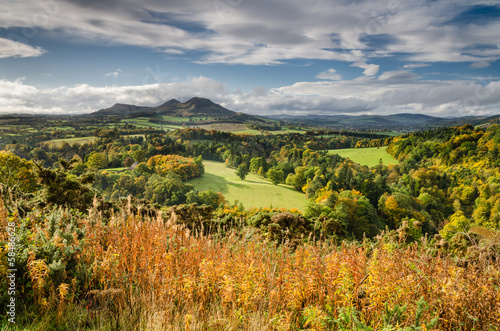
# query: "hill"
194,107
199,112
123,110
403,121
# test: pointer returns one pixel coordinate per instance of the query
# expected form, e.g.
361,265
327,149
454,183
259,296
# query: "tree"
458,223
275,176
242,171
79,169
168,190
258,163
211,198
64,189
297,180
128,162
16,178
97,161
143,169
138,155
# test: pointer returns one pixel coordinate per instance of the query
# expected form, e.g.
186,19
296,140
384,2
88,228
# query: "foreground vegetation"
141,273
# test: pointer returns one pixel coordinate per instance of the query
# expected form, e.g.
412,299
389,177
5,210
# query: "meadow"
182,119
254,191
226,127
143,122
71,141
366,156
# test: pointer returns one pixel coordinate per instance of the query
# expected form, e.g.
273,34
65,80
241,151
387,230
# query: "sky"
263,57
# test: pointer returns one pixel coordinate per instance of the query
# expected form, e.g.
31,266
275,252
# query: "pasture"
254,191
366,156
71,141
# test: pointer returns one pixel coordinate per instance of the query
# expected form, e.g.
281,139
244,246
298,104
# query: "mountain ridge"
195,106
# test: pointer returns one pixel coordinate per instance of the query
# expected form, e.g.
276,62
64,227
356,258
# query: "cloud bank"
392,92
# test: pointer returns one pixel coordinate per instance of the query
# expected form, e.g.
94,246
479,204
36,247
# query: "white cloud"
330,74
398,76
480,64
114,74
370,69
11,48
416,65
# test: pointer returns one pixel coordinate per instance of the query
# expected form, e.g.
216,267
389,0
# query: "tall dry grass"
171,278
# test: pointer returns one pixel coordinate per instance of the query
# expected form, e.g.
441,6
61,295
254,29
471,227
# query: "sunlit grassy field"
183,119
366,156
143,122
71,141
252,192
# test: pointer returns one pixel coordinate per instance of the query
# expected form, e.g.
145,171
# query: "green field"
366,156
143,122
252,192
182,119
248,131
71,141
284,130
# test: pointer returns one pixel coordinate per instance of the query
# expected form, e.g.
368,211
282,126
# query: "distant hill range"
194,107
397,121
214,113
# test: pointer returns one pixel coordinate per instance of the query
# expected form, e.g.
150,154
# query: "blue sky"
257,56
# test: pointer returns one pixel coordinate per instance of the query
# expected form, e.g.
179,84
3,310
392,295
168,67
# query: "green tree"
211,198
242,171
168,190
97,161
258,163
275,176
297,180
64,189
16,178
138,155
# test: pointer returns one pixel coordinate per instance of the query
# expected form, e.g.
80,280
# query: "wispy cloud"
11,48
114,74
480,64
270,32
416,65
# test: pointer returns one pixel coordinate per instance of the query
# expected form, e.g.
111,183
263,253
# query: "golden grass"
238,283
